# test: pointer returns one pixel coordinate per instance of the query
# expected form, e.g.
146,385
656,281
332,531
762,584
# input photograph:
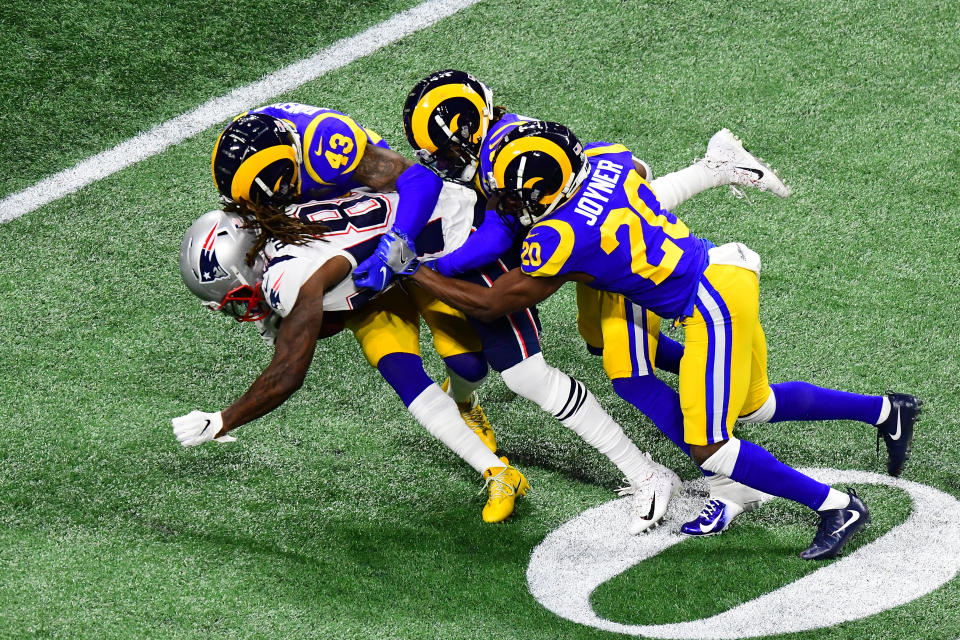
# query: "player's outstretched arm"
510,292
492,239
293,353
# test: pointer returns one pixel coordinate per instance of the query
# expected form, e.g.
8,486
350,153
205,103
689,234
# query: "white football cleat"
727,157
651,496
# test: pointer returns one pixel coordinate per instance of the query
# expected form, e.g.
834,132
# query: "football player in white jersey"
297,291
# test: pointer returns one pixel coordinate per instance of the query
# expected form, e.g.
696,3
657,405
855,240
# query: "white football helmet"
214,266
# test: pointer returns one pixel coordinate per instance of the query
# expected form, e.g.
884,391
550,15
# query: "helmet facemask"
539,176
456,158
244,304
446,118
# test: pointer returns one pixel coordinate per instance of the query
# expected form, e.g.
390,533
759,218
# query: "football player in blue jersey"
297,288
593,219
292,153
447,118
450,121
445,131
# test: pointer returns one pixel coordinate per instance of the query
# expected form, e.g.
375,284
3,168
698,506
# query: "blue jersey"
614,229
332,143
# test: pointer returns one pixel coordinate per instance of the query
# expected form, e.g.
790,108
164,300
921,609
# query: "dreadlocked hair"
272,223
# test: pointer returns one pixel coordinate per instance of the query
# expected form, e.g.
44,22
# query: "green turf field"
337,516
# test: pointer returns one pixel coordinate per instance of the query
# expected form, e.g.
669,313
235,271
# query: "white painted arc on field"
906,563
178,129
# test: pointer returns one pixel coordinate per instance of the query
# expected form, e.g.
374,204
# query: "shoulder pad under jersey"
547,248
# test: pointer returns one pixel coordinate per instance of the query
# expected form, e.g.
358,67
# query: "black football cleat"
897,430
836,528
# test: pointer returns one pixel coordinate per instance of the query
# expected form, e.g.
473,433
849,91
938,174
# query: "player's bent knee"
764,413
720,457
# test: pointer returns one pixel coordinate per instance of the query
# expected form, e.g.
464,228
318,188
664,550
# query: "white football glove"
198,427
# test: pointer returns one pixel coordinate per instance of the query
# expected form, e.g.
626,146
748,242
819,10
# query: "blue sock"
656,400
669,352
805,401
470,366
756,467
404,372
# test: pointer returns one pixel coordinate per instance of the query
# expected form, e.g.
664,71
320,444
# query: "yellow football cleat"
505,484
476,419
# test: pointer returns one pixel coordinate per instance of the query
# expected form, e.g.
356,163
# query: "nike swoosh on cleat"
709,527
756,171
854,516
896,434
383,272
205,427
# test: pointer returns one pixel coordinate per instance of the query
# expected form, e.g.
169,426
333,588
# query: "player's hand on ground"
198,427
394,255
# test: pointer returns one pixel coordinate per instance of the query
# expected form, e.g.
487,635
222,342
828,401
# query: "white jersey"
357,221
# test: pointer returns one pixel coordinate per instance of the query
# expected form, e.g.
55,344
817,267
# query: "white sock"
571,403
599,430
724,459
884,410
835,500
461,389
438,414
675,188
732,492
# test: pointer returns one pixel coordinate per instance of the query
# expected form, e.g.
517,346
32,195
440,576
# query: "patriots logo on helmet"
210,269
273,294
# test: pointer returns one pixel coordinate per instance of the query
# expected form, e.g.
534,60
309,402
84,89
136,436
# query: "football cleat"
728,158
714,518
476,419
836,528
897,430
733,492
651,496
505,485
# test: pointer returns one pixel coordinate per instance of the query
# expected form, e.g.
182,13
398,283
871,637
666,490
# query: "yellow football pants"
627,333
723,373
391,324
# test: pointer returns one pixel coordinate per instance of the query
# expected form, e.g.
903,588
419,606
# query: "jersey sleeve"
547,249
282,281
491,240
333,144
290,268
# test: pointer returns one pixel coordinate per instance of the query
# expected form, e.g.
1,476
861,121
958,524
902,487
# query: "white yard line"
220,109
